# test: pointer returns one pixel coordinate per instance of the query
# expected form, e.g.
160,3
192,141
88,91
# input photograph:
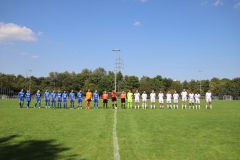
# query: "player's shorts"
175,100
71,100
144,99
137,100
53,100
38,99
105,101
95,100
168,100
114,99
46,100
79,100
129,100
21,99
64,100
191,100
59,100
184,98
161,100
28,100
197,100
89,100
208,99
123,100
153,100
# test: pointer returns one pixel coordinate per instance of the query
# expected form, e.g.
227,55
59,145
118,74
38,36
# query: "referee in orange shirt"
114,99
88,98
105,99
123,99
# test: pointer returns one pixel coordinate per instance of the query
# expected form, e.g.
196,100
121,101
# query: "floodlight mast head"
116,50
115,75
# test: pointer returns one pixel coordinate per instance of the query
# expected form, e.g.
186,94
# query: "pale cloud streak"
139,0
14,32
218,2
212,2
23,53
4,57
35,56
143,1
39,33
236,5
136,23
204,3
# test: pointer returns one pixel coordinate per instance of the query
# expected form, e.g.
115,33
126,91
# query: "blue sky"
172,38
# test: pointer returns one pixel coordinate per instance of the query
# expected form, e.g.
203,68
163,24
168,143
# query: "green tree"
193,86
105,84
86,72
236,82
19,83
176,85
132,82
168,83
54,78
146,85
99,73
216,86
205,85
119,77
158,83
185,85
80,80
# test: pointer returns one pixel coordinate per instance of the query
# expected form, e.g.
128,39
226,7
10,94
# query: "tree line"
102,80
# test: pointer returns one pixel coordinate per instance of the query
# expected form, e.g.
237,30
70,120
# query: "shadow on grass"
32,149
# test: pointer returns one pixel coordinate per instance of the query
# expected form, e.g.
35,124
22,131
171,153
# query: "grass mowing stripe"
115,139
180,134
141,134
55,133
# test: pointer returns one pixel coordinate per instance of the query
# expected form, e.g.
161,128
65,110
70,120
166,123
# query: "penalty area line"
115,139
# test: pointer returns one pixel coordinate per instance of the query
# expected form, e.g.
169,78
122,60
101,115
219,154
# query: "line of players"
194,99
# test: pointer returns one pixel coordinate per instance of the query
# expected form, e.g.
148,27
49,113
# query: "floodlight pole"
115,75
30,81
200,81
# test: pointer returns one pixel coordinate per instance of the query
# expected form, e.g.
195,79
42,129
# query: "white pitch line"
115,139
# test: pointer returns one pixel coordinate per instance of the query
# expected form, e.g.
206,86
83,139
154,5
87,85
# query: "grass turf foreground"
142,134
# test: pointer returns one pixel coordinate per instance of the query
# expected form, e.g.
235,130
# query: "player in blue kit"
79,96
38,99
72,98
28,98
59,96
47,98
95,99
21,98
64,97
53,97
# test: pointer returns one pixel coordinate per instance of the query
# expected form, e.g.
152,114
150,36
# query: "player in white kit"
208,99
169,100
184,99
144,100
191,100
153,99
137,98
175,100
161,101
197,97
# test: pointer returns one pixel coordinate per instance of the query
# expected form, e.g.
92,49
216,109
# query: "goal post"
227,97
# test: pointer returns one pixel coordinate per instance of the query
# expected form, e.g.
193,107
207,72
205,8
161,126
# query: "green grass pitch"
142,134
